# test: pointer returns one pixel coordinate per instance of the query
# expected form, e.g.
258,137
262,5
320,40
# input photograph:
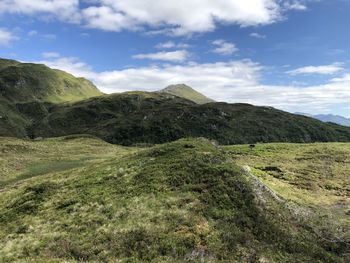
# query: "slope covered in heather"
140,117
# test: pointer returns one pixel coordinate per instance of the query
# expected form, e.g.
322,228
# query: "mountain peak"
186,92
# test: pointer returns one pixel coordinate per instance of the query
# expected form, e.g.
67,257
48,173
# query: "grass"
21,159
26,82
313,175
181,201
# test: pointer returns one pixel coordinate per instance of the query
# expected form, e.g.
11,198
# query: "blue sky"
289,54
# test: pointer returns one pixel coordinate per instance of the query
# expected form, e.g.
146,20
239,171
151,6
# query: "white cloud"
295,5
209,78
257,35
170,45
106,18
235,81
6,37
224,48
323,70
67,10
174,56
50,55
32,33
344,78
179,17
71,65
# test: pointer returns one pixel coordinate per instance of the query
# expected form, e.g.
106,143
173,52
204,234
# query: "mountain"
24,82
79,199
145,117
186,92
333,118
329,118
32,106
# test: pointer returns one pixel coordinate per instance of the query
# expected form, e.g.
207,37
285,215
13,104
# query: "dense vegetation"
140,117
181,201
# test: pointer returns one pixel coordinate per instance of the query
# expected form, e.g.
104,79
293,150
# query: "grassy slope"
315,175
186,92
157,118
22,159
23,82
179,201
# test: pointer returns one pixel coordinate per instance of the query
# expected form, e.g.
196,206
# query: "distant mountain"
25,82
186,92
333,118
330,118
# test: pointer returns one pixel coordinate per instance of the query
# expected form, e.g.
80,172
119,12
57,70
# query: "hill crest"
186,92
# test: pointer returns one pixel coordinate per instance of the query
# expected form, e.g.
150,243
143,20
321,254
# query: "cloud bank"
179,17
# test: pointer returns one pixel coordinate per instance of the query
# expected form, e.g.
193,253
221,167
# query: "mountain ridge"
338,119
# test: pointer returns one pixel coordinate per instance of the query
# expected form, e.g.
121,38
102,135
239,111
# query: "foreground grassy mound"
174,202
140,117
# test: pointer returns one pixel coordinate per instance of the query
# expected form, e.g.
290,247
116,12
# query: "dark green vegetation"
181,201
140,117
37,101
186,92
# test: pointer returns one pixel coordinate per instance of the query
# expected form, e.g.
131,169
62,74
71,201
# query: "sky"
289,54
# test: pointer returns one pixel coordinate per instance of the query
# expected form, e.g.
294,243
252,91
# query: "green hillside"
23,82
140,117
80,199
186,92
